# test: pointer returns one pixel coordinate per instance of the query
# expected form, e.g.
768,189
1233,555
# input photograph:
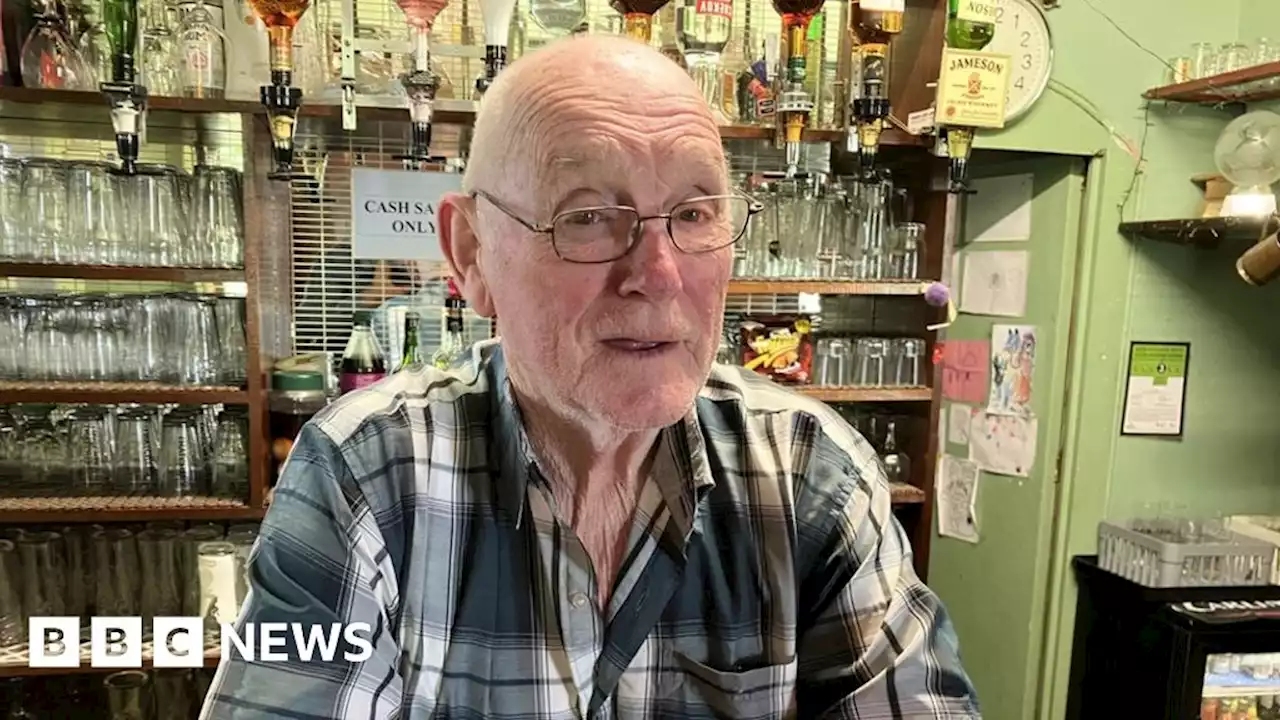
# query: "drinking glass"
95,231
870,364
127,695
904,253
218,238
231,456
44,189
90,452
159,556
43,584
13,629
135,457
182,459
13,211
115,563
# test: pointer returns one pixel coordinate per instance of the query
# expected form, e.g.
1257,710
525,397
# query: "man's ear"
460,243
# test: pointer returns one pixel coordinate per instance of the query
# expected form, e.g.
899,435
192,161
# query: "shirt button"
578,600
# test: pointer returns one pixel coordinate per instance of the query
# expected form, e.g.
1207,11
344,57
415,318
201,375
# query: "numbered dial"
1022,33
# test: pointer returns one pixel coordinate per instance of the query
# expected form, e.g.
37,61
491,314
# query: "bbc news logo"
116,642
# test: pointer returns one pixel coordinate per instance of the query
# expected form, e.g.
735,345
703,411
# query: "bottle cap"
453,289
362,317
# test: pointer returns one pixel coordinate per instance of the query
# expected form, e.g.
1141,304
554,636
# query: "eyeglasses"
605,233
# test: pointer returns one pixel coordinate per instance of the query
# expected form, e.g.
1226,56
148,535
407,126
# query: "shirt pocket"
761,692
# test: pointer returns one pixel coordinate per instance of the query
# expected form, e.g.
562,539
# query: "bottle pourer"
282,102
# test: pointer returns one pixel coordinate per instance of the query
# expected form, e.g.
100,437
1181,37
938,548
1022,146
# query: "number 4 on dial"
1022,33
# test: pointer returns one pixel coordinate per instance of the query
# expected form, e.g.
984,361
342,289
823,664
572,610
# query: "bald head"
608,78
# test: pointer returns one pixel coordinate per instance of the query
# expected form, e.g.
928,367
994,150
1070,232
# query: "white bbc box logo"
179,642
115,642
54,642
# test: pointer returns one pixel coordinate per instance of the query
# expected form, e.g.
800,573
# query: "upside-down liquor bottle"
637,17
794,103
873,24
497,31
281,99
421,84
703,28
970,26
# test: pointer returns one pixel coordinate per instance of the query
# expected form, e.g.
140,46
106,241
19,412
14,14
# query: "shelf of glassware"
1251,84
768,286
32,511
109,393
119,272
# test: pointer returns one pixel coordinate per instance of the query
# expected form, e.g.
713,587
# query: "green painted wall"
1229,458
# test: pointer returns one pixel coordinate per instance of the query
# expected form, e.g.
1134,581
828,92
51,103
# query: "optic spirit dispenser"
973,84
794,103
497,29
421,83
281,99
128,98
873,24
637,17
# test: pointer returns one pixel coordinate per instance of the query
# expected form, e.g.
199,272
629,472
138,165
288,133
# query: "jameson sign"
973,89
394,213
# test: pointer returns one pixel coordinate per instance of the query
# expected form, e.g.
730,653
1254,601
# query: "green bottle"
971,24
121,19
411,356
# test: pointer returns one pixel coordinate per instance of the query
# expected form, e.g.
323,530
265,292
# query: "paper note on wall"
995,283
1000,210
964,370
1013,364
959,419
957,490
1003,444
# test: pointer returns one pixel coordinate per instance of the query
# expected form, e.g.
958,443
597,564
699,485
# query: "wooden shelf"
21,670
13,660
122,509
827,287
837,393
1203,232
1234,87
890,137
194,106
904,494
105,272
108,393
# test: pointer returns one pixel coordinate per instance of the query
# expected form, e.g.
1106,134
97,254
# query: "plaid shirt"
766,577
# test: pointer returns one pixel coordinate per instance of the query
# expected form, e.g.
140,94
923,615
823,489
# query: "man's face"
628,343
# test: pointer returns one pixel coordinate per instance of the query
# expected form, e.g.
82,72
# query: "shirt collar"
683,471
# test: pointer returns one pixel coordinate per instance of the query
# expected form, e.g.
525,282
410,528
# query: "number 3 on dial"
1022,33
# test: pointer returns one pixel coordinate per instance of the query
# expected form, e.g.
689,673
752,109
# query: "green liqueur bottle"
410,357
971,24
122,31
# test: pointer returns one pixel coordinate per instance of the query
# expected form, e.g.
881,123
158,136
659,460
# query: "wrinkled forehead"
639,147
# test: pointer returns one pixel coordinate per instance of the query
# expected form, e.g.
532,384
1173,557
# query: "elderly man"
590,521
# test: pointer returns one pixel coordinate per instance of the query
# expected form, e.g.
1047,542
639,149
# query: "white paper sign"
957,489
995,283
1000,209
959,417
393,213
1003,444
